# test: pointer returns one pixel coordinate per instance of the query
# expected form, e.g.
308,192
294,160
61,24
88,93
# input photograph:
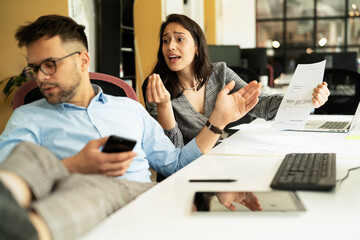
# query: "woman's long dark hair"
202,68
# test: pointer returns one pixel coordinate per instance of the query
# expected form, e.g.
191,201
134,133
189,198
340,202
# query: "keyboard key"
334,125
306,171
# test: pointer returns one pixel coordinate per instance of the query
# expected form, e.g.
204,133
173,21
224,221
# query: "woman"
182,91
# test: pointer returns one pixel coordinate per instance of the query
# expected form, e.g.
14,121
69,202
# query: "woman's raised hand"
156,91
231,107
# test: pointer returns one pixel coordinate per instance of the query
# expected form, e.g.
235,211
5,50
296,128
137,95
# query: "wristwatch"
213,128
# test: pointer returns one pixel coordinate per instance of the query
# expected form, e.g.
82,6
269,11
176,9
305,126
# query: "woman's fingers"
154,89
250,89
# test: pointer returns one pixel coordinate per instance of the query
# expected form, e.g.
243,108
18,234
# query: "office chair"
29,91
112,85
344,86
246,74
143,89
271,75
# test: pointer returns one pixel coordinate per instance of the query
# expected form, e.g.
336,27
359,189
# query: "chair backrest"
143,89
29,91
26,93
246,74
270,75
112,85
344,86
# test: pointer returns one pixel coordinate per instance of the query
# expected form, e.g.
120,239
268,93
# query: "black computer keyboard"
306,171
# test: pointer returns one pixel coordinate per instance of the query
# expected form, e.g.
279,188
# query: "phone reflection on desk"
282,201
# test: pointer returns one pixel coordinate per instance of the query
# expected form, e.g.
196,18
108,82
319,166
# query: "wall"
12,59
172,6
236,23
147,21
210,21
83,12
194,9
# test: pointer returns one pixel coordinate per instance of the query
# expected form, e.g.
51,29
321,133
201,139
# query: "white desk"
164,212
259,138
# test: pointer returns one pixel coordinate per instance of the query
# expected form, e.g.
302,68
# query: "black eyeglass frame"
35,69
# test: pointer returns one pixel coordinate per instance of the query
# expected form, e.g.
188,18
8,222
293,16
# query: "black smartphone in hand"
118,144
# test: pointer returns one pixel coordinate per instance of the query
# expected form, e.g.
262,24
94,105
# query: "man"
73,122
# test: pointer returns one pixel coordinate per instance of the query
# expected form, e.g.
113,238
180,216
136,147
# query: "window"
294,27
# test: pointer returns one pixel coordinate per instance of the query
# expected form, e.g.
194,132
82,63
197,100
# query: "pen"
212,180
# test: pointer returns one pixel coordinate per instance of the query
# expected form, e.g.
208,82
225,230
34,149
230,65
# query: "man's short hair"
50,26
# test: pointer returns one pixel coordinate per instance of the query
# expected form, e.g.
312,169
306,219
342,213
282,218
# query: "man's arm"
20,128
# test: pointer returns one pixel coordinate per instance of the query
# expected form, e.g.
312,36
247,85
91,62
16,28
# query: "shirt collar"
99,97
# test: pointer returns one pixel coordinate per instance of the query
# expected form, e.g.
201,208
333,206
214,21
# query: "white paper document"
296,105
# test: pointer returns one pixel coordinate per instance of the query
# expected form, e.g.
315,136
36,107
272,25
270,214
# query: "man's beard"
64,95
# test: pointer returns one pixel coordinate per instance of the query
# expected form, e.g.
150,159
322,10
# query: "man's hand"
320,95
231,107
91,160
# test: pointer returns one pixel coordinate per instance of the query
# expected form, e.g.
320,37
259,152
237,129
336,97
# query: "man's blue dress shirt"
65,129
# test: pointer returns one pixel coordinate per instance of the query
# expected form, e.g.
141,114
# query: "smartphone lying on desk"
270,201
118,144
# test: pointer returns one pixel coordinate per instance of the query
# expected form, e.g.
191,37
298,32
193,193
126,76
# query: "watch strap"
213,128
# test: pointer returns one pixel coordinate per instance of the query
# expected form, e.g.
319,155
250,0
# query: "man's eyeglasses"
48,67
